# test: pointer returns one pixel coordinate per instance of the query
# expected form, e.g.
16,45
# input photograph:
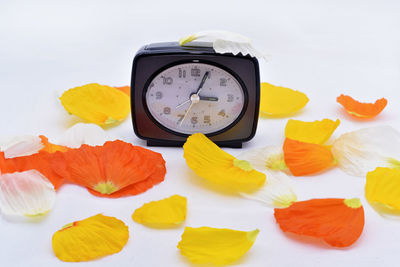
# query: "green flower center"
353,203
106,188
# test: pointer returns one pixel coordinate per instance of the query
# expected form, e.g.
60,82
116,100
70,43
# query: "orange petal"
51,165
362,110
115,169
49,147
125,89
306,158
339,222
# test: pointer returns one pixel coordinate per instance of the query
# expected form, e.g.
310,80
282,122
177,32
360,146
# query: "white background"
323,48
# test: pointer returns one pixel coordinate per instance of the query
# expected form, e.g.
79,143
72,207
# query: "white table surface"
323,48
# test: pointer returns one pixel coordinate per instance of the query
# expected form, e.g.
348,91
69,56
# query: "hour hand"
208,98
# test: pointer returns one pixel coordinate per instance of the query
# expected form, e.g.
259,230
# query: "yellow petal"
316,132
168,212
382,189
206,245
210,162
99,104
280,101
91,238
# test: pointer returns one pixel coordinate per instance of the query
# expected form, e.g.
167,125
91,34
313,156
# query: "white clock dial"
195,97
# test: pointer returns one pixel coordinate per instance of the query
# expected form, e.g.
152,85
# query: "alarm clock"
180,90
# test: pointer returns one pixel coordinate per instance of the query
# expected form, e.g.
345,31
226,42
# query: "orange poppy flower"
362,110
339,222
115,169
125,89
49,147
306,158
51,165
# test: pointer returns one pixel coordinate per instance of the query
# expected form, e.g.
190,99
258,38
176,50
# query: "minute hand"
202,82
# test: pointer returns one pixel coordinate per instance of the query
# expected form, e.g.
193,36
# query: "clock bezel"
200,61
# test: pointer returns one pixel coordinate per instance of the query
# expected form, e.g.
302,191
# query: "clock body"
177,91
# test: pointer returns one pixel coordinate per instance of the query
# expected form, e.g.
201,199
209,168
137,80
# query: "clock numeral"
230,98
222,82
182,73
159,95
193,120
167,110
167,80
180,116
195,72
222,113
207,119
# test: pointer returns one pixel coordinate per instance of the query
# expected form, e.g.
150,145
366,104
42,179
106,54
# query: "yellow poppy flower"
316,132
210,162
168,212
206,245
277,101
91,238
382,189
99,104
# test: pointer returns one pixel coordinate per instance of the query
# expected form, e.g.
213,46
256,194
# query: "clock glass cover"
195,97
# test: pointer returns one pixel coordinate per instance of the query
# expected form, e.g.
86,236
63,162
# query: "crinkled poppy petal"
361,110
125,89
266,158
276,192
316,132
280,101
339,222
21,146
89,239
306,158
361,151
99,104
26,193
207,245
382,189
84,133
51,148
112,167
51,165
165,213
224,42
210,162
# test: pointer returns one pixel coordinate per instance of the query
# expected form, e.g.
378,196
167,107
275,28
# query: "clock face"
195,97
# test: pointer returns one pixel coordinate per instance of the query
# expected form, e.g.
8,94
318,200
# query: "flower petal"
51,165
276,192
266,158
84,133
165,213
89,239
207,245
225,42
125,89
26,193
339,222
21,146
210,162
280,101
306,158
361,110
49,147
316,132
114,166
382,189
361,151
99,104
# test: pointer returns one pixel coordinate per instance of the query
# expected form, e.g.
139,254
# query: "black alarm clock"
180,90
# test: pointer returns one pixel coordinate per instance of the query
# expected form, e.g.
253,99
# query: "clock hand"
194,99
208,98
181,104
202,82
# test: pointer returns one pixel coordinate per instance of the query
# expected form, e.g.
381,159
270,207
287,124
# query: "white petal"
226,42
26,193
266,158
84,133
276,192
364,150
21,146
